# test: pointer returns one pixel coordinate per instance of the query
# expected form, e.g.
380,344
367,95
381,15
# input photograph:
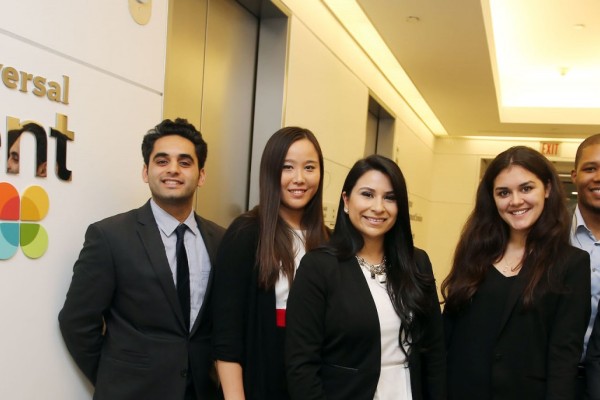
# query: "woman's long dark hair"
407,286
485,235
274,253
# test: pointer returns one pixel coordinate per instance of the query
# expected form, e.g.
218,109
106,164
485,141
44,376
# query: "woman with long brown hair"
256,264
517,299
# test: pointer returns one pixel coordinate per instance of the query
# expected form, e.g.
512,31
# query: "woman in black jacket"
256,263
518,295
363,316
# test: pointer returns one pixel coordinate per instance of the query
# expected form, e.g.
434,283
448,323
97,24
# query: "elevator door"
210,75
227,108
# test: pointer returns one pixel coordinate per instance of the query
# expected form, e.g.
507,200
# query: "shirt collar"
167,223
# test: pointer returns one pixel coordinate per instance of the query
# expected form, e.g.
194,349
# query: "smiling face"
372,206
587,180
172,173
300,177
520,197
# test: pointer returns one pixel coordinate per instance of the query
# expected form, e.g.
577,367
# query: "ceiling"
445,52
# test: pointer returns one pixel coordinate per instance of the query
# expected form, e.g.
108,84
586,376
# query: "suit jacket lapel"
152,242
211,247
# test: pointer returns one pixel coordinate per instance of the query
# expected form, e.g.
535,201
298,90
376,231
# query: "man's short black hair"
180,127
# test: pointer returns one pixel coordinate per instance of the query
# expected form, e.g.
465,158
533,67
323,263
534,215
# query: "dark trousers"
580,384
190,391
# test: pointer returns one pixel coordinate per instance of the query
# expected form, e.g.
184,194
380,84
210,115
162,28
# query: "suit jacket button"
184,373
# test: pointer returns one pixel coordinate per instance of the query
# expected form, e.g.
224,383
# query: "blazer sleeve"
233,277
89,296
305,330
569,325
432,350
592,362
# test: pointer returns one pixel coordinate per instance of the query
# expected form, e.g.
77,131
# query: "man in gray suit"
136,318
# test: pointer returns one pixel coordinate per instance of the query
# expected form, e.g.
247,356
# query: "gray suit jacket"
122,321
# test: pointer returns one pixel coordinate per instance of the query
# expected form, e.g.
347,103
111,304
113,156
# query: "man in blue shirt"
585,234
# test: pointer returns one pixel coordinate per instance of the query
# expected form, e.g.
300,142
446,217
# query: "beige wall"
327,98
328,83
329,80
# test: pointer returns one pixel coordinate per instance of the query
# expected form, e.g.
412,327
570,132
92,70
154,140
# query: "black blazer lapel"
152,242
360,293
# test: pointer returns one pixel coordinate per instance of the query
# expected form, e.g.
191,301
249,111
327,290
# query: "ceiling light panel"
546,54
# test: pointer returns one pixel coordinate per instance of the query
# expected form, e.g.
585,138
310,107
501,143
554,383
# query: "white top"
394,380
282,286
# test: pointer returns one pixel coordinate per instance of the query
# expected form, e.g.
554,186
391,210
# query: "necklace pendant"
376,271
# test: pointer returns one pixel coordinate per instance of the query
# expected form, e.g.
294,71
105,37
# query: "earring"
346,210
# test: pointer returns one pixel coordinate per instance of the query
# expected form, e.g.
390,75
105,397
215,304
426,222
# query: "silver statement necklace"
376,270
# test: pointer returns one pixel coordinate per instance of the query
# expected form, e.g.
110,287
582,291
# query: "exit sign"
549,148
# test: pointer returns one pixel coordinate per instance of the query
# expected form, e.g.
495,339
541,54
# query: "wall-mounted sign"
20,213
59,132
54,90
549,148
38,85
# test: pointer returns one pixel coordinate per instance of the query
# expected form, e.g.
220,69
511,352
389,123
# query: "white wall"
116,71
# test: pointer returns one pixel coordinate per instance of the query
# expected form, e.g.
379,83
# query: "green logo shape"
34,240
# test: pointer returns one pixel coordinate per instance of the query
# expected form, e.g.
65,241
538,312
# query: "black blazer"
245,330
537,350
333,342
122,283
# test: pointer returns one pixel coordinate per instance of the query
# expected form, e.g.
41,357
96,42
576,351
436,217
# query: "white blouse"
394,380
282,286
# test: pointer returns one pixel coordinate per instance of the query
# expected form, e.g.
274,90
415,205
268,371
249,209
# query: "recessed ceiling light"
412,19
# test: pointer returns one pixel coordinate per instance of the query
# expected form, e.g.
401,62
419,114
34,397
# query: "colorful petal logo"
18,217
